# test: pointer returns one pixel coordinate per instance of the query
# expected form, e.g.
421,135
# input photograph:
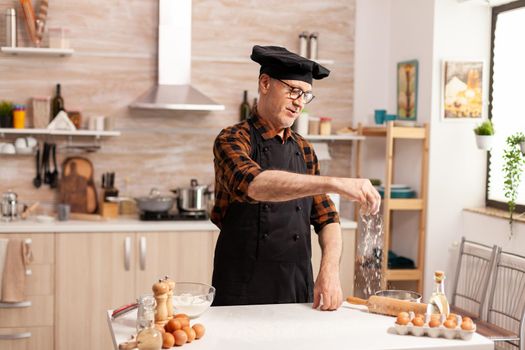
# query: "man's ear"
264,83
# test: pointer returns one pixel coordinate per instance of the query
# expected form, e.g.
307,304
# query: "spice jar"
325,126
146,311
313,125
76,118
19,116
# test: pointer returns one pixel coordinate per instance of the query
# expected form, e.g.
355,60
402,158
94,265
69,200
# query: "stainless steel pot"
400,294
193,198
152,203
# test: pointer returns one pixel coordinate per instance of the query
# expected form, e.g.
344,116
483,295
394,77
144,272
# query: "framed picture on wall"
462,90
407,76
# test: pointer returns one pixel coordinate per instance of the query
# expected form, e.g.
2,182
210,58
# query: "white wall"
389,31
457,167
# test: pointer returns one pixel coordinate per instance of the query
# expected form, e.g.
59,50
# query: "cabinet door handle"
21,304
127,253
15,336
142,247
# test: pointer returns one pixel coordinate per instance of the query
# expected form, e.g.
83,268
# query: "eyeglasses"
294,93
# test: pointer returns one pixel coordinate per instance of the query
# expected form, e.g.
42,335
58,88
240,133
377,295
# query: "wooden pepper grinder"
160,291
169,301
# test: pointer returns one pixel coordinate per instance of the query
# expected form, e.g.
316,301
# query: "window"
507,94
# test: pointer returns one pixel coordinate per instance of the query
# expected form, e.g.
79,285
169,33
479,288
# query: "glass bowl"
192,298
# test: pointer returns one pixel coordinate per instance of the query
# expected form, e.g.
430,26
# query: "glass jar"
325,126
149,338
313,125
19,116
146,311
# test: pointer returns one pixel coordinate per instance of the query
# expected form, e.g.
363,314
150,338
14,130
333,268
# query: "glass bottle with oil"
438,303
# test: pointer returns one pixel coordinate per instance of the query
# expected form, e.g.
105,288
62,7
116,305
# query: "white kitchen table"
298,326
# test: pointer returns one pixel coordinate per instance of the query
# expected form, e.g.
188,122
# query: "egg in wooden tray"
435,325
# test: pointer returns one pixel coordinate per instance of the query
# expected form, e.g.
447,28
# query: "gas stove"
171,216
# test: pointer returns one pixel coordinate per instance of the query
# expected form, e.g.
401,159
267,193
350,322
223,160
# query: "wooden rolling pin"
388,306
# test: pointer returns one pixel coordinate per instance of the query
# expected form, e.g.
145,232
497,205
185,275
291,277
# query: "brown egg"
402,320
190,332
403,314
467,325
466,318
168,340
452,317
450,324
181,316
418,322
199,330
421,316
434,323
180,337
173,325
435,317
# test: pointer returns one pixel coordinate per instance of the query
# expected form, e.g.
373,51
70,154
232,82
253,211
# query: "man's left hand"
328,287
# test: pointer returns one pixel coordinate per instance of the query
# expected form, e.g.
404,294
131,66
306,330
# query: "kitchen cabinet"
183,256
100,271
346,265
29,324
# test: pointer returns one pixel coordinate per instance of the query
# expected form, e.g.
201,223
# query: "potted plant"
485,135
6,120
512,169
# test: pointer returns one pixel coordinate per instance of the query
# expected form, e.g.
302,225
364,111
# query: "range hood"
174,91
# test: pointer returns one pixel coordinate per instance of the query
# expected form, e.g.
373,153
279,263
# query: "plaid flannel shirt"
235,170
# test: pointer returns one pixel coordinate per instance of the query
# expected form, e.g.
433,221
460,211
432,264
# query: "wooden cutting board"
77,187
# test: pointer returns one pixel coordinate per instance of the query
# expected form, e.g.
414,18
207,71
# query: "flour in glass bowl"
193,306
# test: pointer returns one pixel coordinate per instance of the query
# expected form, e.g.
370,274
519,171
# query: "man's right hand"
361,191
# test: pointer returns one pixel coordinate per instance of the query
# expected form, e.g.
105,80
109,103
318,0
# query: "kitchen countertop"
297,326
122,224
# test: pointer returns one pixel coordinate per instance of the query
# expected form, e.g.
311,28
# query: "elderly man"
268,193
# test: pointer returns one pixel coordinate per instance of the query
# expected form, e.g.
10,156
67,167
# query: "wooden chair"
472,278
506,304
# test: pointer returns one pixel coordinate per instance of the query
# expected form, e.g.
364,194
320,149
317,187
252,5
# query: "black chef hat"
280,63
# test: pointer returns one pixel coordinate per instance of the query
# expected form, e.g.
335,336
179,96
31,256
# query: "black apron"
263,253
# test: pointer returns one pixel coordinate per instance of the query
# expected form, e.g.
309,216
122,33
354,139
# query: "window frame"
496,10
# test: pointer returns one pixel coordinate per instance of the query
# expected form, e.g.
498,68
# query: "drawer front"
40,313
42,245
27,338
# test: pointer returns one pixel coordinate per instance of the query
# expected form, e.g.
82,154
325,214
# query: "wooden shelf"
403,274
36,51
349,137
391,133
398,132
95,133
406,204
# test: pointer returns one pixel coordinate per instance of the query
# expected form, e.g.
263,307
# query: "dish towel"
18,257
3,248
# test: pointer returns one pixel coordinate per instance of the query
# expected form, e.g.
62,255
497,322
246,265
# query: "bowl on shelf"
192,298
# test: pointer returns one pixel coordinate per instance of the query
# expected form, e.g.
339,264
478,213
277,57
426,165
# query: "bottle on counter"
438,303
149,338
245,107
57,103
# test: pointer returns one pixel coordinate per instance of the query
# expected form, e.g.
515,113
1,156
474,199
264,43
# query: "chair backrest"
506,306
471,282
